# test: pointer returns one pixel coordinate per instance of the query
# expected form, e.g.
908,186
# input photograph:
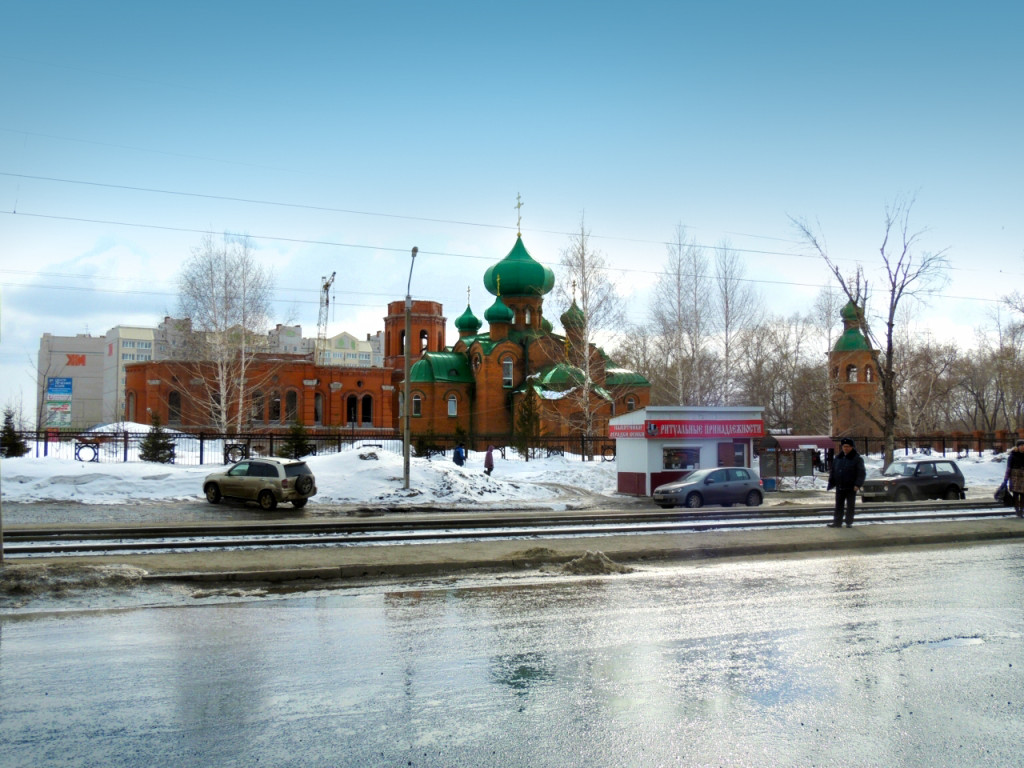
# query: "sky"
337,136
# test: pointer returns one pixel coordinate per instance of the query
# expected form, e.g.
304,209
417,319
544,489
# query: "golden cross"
467,295
498,281
519,214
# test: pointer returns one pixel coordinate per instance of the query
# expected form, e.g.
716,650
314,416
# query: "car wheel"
694,500
902,496
952,494
212,493
267,500
299,503
753,499
304,484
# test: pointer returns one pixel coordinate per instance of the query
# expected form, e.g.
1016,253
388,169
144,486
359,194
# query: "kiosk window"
680,458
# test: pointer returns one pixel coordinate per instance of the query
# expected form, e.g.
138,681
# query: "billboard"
58,401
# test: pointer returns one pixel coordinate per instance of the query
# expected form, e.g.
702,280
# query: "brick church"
476,388
856,397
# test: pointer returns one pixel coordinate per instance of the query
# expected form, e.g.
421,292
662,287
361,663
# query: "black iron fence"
954,445
194,449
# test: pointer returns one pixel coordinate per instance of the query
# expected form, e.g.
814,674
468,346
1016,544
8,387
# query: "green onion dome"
499,312
518,274
467,322
573,318
545,325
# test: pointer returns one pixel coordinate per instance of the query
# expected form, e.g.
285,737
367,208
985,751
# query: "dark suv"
267,481
920,479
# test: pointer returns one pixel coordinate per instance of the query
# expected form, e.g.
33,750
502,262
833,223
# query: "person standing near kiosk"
847,476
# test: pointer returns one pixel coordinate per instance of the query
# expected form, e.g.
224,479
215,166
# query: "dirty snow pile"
362,476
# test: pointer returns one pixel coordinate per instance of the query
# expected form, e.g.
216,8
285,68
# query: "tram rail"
34,542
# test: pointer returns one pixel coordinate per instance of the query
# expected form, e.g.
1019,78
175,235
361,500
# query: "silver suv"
267,481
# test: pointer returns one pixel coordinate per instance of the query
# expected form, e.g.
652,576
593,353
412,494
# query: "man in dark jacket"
847,476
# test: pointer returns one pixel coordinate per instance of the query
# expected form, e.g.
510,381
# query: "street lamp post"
407,404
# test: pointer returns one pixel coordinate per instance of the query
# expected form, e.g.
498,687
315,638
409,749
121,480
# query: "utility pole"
407,407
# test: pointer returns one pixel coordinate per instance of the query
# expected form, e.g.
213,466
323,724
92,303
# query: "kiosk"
659,444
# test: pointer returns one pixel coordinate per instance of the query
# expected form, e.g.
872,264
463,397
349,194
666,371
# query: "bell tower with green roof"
853,379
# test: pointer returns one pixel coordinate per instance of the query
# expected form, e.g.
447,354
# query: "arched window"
291,406
174,408
869,373
318,408
274,412
367,410
256,407
526,315
351,409
453,405
630,404
424,341
507,370
851,373
417,405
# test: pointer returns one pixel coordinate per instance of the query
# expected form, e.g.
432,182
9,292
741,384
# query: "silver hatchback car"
266,481
725,485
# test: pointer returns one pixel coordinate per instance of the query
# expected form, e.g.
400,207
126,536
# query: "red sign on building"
704,429
75,359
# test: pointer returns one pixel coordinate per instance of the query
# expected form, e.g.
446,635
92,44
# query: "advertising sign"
58,401
705,429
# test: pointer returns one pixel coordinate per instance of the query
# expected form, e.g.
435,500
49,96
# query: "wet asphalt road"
902,658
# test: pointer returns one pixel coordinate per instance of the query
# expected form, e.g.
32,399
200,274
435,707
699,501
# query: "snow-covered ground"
373,476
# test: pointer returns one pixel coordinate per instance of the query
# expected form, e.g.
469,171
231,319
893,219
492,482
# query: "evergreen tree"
12,444
297,444
527,426
157,445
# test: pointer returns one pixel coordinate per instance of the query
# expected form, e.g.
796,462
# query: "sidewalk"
356,562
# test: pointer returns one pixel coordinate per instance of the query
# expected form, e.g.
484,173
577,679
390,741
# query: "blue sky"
373,127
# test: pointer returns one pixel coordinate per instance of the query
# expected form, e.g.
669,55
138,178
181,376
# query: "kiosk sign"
745,428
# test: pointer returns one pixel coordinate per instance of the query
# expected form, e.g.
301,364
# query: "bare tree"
585,275
909,273
681,315
226,294
739,307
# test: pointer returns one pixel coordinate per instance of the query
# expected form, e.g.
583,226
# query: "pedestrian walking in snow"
459,454
489,460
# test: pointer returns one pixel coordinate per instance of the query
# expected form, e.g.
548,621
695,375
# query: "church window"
526,314
476,362
869,374
506,372
291,406
275,406
424,341
318,408
174,408
417,405
453,405
256,408
851,373
630,404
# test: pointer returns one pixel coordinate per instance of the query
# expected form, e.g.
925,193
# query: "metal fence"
195,449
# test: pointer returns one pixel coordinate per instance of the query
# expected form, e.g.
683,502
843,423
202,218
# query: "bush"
297,444
157,445
12,444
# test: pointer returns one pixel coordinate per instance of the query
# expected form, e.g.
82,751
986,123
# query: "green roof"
518,274
852,340
441,366
622,377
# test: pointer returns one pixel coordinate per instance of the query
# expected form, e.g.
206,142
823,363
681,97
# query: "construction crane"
320,353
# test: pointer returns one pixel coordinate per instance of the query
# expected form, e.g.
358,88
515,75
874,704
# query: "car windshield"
900,470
